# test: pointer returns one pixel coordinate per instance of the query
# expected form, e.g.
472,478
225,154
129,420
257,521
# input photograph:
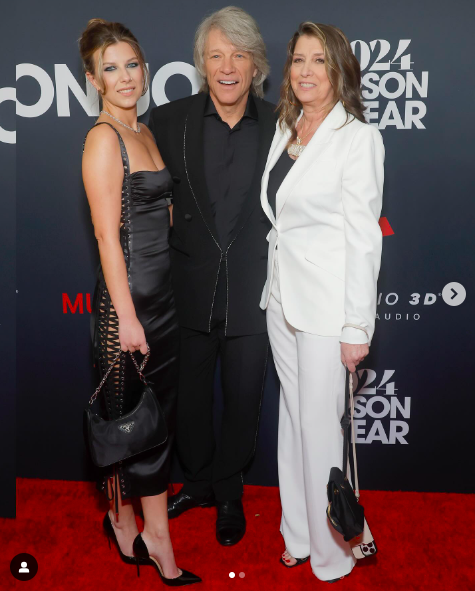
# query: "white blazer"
326,228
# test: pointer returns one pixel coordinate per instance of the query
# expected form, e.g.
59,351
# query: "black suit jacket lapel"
194,160
266,121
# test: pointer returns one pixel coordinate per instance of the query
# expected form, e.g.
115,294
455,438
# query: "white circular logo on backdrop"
454,294
171,69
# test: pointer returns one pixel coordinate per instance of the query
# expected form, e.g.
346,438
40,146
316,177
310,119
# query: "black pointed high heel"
143,557
110,533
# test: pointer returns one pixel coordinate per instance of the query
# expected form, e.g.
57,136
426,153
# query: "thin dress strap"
125,157
126,202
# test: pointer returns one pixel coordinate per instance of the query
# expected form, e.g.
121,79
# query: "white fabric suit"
324,259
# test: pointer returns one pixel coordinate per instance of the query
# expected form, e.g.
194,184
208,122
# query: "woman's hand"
132,335
351,355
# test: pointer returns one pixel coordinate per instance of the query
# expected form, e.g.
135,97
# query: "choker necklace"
124,124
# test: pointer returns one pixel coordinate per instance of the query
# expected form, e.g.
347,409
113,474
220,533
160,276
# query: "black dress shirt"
229,160
277,176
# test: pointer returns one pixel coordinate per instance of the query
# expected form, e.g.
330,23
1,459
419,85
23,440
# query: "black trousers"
209,467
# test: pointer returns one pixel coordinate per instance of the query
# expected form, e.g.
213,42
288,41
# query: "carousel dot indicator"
232,575
242,575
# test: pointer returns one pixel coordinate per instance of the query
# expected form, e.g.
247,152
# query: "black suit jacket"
194,248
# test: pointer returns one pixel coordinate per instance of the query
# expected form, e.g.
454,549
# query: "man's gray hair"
242,31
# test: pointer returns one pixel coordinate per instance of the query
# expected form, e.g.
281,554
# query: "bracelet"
357,326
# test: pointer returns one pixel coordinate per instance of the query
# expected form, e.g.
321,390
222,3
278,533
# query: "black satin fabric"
147,473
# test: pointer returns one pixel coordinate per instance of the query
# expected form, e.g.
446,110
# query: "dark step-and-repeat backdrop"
414,398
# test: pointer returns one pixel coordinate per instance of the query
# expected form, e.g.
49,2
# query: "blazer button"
188,217
176,179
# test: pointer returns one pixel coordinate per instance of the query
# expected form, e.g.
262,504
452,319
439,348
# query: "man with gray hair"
215,145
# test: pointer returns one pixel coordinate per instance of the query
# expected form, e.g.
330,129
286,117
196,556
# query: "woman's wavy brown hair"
100,34
343,71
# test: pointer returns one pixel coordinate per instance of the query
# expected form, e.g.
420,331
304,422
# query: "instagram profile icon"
24,567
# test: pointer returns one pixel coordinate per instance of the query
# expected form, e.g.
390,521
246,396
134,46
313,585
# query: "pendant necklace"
124,124
297,149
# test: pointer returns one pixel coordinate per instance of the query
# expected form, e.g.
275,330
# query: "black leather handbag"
139,430
344,511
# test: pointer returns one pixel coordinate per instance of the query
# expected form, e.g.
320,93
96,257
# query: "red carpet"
425,541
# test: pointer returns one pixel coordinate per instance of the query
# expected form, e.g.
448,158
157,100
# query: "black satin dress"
144,233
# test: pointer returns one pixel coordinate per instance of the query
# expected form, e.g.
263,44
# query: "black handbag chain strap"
346,423
111,366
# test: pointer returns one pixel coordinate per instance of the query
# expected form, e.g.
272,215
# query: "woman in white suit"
322,191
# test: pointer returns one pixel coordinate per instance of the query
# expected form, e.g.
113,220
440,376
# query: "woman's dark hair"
343,71
99,35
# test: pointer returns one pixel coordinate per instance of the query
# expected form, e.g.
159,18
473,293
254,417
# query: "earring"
293,104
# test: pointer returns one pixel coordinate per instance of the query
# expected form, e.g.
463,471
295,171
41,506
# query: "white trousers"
312,399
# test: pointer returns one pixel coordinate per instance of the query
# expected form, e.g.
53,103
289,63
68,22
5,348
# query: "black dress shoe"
231,523
181,502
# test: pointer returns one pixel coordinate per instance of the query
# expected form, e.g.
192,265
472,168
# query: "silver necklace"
124,124
297,149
